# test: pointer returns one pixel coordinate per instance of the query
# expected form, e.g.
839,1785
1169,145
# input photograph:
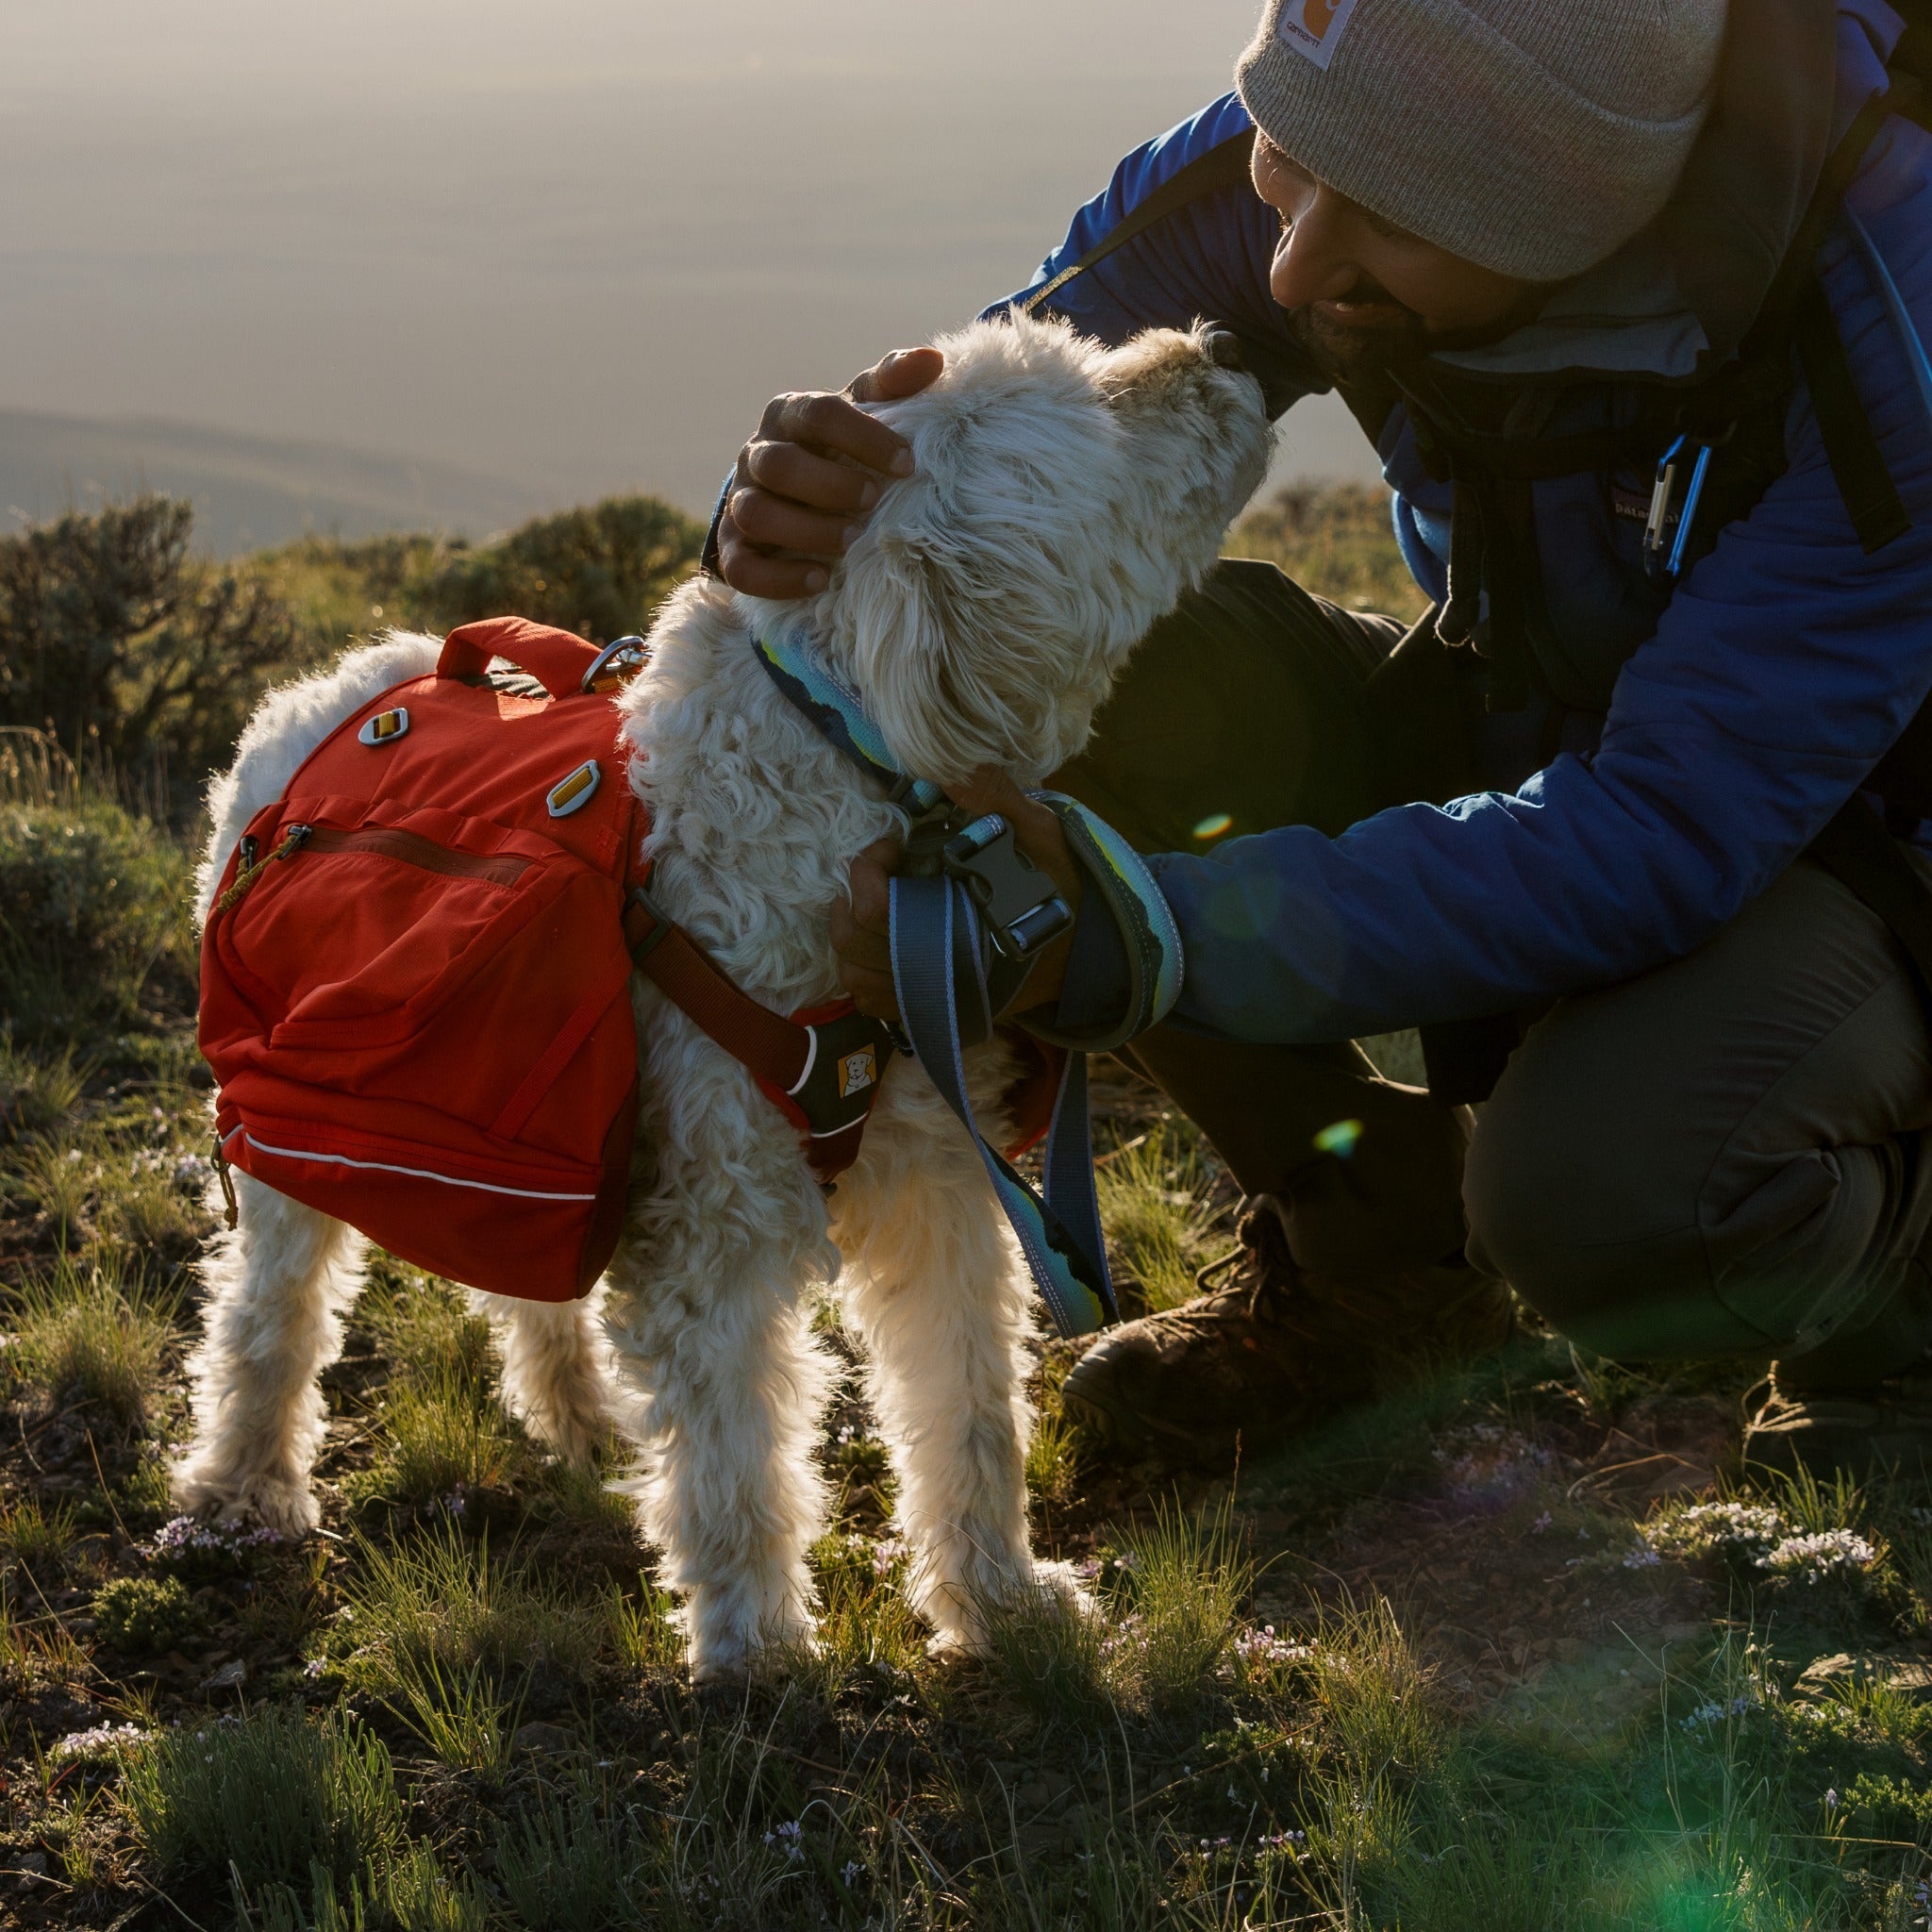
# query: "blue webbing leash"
946,954
938,950
934,949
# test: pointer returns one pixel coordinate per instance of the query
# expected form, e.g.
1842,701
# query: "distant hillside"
249,492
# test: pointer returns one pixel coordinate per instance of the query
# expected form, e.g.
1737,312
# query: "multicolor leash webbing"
940,958
961,938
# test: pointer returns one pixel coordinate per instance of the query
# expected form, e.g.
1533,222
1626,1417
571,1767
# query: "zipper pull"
294,839
232,1211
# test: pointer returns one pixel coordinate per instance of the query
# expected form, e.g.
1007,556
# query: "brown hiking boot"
1277,1350
1864,1432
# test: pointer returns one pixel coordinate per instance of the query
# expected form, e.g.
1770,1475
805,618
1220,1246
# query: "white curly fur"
1063,496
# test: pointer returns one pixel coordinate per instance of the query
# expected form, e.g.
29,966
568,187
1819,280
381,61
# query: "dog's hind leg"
553,1370
277,1286
938,1292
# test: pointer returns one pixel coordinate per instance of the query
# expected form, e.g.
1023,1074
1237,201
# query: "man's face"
1362,292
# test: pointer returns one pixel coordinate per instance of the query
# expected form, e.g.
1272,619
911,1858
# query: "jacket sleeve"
1784,667
1210,259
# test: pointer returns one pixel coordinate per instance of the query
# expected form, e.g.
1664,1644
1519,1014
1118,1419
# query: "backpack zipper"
383,841
292,840
425,854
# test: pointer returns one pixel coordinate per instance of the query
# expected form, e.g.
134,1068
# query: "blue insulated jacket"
1696,766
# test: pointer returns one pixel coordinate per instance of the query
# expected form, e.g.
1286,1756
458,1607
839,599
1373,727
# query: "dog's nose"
1224,346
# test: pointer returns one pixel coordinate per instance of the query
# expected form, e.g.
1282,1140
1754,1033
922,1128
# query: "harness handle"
556,659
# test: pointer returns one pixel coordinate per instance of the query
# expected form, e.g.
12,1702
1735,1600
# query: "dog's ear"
936,676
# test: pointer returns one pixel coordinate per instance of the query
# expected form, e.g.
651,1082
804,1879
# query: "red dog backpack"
415,981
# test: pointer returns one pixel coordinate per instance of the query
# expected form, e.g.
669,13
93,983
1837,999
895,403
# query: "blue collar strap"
839,717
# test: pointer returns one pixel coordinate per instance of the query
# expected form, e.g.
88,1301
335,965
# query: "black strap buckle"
1019,904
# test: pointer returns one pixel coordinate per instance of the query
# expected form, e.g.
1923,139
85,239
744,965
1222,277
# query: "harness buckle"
1022,910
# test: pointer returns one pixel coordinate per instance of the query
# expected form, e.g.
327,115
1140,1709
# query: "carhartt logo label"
1312,27
857,1071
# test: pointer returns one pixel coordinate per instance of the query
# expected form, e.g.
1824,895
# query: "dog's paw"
723,1650
964,1626
243,1502
1060,1581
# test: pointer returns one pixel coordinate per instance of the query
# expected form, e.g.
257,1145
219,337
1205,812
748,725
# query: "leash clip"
1016,900
1663,524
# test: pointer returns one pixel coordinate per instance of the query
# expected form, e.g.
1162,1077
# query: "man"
1577,811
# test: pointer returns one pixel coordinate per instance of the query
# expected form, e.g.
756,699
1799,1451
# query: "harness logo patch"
858,1071
1313,27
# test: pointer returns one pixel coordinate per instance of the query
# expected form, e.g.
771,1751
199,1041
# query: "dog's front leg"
936,1290
277,1286
707,1311
553,1370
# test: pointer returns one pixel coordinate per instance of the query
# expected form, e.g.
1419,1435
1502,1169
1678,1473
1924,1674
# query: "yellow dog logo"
858,1071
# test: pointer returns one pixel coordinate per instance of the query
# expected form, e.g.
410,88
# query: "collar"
835,712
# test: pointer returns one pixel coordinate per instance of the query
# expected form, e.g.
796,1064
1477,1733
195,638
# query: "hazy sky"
574,241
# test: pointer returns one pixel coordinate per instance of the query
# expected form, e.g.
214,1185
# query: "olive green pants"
1729,1157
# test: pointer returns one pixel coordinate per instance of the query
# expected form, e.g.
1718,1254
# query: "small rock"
543,1737
232,1676
35,1863
1907,1670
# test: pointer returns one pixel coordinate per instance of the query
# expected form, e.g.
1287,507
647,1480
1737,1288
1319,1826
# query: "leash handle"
935,950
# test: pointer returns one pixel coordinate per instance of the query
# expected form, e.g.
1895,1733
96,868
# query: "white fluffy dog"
1063,497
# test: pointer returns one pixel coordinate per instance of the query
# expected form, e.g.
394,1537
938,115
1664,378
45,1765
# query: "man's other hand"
810,476
861,929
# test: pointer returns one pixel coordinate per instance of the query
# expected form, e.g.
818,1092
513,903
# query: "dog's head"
1064,495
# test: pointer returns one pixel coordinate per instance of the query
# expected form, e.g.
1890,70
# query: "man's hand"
810,476
861,932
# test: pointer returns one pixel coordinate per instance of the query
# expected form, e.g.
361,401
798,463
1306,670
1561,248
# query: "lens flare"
1213,826
1338,1138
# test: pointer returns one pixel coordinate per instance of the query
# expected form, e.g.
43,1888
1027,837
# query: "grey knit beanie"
1532,136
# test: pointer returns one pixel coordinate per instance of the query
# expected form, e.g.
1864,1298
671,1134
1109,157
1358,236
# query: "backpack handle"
556,659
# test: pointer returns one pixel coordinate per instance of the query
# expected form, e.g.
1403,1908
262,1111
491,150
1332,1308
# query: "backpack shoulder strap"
1851,444
1225,165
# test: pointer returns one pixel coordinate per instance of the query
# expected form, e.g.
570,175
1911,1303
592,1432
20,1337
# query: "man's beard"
1354,355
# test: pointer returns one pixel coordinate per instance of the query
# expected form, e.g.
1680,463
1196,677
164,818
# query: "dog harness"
415,978
968,917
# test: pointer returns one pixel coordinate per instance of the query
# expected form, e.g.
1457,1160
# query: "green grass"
95,923
1161,1222
274,1805
145,1614
1163,1763
88,1333
437,1601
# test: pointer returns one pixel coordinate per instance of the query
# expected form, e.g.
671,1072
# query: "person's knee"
1567,1201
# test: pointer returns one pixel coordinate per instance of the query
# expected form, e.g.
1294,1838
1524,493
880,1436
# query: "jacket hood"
1675,299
